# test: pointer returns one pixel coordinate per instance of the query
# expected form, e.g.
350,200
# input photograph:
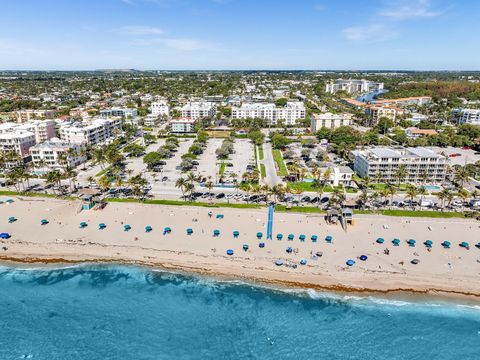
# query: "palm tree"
422,192
104,183
189,188
401,173
209,185
461,176
181,183
338,196
443,196
392,191
412,193
297,191
363,197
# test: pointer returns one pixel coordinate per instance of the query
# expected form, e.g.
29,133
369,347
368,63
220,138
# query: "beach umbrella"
261,245
229,252
291,237
83,224
428,243
303,262
464,244
9,201
279,236
279,262
148,228
259,235
219,216
4,236
396,242
314,238
363,257
380,240
477,245
328,238
319,253
101,226
216,232
126,227
167,230
415,261
411,242
245,247
44,222
12,219
289,250
302,237
189,231
236,234
350,262
446,244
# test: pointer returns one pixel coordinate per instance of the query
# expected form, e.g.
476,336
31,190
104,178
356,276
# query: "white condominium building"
161,107
97,132
289,114
470,116
329,120
198,110
377,112
382,163
118,112
49,154
42,129
184,125
352,86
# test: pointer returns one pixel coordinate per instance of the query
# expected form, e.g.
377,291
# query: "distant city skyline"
239,35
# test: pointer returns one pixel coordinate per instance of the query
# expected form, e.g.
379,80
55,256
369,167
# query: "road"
271,177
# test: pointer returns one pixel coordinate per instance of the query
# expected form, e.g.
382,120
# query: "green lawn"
102,172
263,172
382,186
309,186
186,203
260,152
282,169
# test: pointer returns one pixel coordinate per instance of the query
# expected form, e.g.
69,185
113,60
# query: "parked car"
220,196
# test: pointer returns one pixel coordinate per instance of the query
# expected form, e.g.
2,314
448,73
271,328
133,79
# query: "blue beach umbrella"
229,252
189,231
101,226
245,247
216,232
411,242
291,237
380,240
44,222
446,244
4,236
126,227
236,234
363,257
350,262
279,262
464,244
314,238
477,245
428,243
261,245
259,235
83,224
219,216
12,219
167,230
303,262
148,228
289,250
396,242
302,237
328,238
279,236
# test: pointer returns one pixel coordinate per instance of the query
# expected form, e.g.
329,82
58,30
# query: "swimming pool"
431,187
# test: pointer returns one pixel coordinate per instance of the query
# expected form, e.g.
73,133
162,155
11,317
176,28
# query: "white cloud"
141,30
182,44
410,9
368,33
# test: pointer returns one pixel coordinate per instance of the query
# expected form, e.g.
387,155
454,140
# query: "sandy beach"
440,272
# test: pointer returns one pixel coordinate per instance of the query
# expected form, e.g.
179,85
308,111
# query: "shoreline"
402,294
441,274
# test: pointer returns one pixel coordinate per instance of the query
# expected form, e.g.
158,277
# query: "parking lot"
242,157
207,162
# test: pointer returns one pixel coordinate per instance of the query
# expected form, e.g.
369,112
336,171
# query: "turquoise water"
116,312
431,187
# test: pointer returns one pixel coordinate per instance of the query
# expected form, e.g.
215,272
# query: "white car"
229,196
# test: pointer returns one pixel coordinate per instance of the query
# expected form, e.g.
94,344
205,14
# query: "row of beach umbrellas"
428,243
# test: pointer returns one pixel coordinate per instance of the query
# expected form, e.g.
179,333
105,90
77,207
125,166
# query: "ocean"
120,312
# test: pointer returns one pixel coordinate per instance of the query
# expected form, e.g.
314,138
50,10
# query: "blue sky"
240,34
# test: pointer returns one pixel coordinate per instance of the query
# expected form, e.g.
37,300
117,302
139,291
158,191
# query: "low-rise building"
198,109
329,120
17,142
183,125
159,108
97,132
377,112
352,86
469,116
27,115
414,133
339,175
408,101
382,164
119,112
57,154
